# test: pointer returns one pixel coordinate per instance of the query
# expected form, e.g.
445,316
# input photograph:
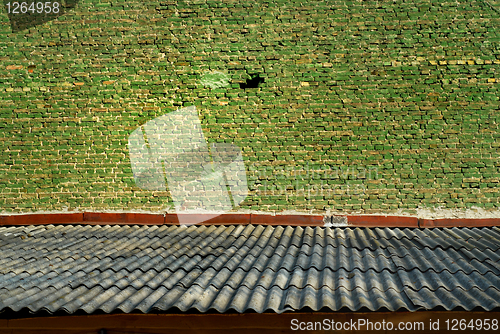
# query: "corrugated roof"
247,267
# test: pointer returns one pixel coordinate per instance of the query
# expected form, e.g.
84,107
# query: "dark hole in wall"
253,82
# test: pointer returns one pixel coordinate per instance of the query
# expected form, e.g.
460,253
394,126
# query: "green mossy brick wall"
371,106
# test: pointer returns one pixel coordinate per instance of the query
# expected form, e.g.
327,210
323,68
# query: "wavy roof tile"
247,267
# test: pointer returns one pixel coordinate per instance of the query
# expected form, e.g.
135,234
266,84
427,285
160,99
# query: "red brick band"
102,218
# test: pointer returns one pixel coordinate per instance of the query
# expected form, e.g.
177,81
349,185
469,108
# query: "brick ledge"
104,218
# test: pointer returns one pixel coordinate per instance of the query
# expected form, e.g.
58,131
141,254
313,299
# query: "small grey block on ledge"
336,221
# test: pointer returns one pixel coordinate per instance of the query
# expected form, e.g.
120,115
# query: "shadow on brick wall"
27,14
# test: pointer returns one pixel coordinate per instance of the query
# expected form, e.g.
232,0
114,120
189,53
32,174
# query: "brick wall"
370,106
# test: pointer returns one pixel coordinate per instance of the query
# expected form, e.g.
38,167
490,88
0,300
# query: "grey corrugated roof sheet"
260,268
